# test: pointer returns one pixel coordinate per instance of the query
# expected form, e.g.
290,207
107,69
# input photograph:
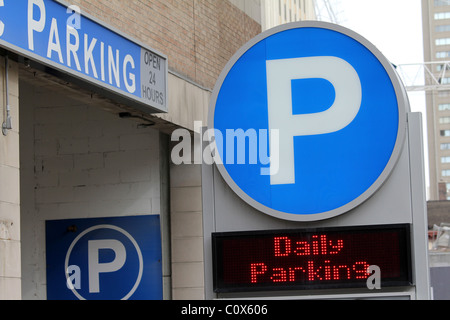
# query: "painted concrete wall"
78,161
10,277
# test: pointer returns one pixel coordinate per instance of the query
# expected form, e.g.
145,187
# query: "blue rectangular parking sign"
65,39
104,259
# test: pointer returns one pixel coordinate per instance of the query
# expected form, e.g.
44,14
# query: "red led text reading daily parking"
307,259
308,268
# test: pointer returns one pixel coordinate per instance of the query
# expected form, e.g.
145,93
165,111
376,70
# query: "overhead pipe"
7,123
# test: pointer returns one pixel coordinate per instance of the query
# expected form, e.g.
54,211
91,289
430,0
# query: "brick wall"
198,36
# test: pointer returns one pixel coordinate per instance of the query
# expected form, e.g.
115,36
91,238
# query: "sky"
393,26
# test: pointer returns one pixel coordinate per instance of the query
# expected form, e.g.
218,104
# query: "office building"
278,12
436,35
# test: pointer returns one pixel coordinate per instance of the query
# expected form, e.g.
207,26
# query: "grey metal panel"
420,266
208,199
440,281
399,200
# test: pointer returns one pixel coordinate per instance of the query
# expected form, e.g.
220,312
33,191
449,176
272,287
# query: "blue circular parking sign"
309,120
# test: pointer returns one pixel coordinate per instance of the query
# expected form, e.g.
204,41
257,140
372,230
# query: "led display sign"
310,259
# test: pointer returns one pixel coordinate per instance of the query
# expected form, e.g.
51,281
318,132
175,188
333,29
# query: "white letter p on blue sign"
96,267
280,73
337,107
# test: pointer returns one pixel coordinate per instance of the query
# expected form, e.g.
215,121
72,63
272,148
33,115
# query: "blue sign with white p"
104,259
308,121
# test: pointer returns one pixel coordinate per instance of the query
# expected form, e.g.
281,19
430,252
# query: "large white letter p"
96,267
35,25
280,74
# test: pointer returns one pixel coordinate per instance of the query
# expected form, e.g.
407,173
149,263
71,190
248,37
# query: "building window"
442,54
442,41
443,93
443,28
446,173
445,159
445,133
444,106
445,146
444,80
440,67
441,15
444,120
439,3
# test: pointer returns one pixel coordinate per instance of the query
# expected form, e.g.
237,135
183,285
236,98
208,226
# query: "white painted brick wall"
10,276
85,163
187,232
79,161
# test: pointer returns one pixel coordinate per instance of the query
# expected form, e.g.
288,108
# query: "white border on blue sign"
403,109
129,236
